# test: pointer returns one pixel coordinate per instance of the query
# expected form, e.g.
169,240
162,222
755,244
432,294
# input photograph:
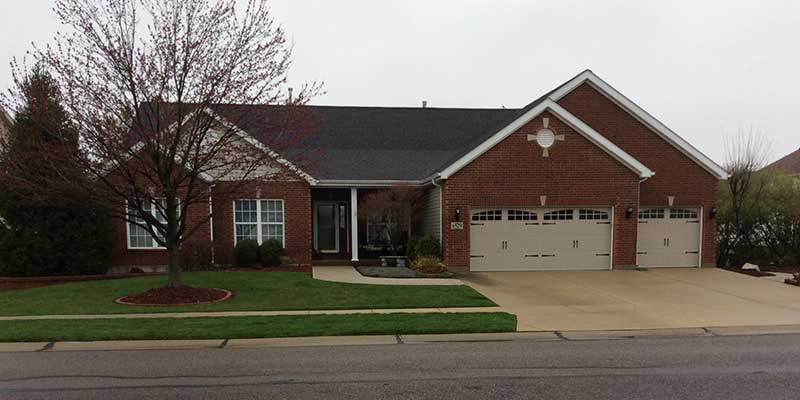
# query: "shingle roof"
381,143
789,163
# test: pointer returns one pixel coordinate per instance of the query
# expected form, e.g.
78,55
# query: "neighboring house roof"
789,163
385,145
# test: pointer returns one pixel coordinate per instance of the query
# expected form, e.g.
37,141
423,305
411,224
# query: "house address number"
456,226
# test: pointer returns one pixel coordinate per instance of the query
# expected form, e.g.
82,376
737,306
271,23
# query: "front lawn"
254,291
254,327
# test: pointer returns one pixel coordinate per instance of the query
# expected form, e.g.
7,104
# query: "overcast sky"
706,69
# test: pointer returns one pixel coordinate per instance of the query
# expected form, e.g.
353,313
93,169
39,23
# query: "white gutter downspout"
638,206
441,206
211,223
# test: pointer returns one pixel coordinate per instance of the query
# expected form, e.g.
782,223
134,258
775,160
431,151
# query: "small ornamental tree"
395,209
146,84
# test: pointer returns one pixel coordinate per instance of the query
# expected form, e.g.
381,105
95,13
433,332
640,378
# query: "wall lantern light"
458,215
712,212
629,212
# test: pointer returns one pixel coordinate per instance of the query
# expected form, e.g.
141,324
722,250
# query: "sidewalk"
258,313
549,336
347,274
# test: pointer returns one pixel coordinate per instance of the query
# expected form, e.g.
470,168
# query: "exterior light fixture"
629,212
458,214
712,212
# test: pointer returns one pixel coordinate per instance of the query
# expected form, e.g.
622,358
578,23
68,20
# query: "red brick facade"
514,174
296,196
676,174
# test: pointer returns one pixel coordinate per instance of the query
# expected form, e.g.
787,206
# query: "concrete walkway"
347,274
257,313
542,336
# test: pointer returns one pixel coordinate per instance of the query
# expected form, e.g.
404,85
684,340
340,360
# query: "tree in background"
393,211
39,234
145,82
759,208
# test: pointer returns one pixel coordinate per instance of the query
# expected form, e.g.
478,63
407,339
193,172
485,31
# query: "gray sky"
706,69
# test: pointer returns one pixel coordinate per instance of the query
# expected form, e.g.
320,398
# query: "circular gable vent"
545,138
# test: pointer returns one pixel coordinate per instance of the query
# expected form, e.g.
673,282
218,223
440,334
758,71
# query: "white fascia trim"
644,117
253,141
366,183
581,127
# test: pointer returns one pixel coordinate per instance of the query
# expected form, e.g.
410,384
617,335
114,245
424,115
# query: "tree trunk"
173,266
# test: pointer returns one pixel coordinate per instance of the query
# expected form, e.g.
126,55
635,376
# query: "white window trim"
128,227
259,223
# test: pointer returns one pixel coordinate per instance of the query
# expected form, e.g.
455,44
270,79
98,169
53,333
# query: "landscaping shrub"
270,253
246,253
37,239
195,257
424,246
429,265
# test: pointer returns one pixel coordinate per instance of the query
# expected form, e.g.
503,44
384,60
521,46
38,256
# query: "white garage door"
669,237
529,239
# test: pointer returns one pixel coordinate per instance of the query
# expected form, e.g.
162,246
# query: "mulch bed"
178,296
750,272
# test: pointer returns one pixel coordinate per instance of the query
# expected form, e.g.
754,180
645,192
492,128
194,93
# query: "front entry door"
326,217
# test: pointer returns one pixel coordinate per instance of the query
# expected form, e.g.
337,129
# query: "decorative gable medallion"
545,137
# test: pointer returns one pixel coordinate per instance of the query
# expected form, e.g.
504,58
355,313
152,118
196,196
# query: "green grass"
254,291
254,327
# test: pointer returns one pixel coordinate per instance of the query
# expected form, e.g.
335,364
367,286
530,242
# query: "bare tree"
149,85
394,209
745,156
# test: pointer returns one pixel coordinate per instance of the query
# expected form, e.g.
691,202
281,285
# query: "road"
739,367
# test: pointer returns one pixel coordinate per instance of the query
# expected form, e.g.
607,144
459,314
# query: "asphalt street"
738,367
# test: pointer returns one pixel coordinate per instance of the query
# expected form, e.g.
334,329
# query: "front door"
326,222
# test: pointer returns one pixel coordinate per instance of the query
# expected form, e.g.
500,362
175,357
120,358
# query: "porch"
340,236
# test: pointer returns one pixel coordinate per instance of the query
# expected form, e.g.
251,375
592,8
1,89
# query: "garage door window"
522,215
558,215
592,214
651,213
491,215
682,213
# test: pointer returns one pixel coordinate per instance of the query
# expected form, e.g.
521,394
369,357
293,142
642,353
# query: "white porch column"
354,223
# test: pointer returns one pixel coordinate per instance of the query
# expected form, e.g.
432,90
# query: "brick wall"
514,174
122,256
297,225
676,174
296,196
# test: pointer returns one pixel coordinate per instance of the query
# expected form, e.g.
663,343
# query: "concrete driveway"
658,298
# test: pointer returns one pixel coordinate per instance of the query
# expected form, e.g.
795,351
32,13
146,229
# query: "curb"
367,340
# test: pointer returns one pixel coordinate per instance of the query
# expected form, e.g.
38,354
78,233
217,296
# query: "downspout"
211,223
638,206
441,206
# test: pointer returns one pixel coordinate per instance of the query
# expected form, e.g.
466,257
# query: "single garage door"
669,237
530,239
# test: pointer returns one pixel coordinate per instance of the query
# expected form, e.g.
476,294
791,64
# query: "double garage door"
669,237
529,239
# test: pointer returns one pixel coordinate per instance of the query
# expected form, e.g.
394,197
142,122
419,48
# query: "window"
139,237
678,213
558,215
522,215
258,220
491,215
589,214
651,213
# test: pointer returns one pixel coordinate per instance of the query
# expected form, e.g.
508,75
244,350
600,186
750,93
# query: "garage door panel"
669,237
541,239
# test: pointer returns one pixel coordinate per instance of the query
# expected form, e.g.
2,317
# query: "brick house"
581,178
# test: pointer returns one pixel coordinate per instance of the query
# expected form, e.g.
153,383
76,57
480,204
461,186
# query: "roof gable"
642,116
579,126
